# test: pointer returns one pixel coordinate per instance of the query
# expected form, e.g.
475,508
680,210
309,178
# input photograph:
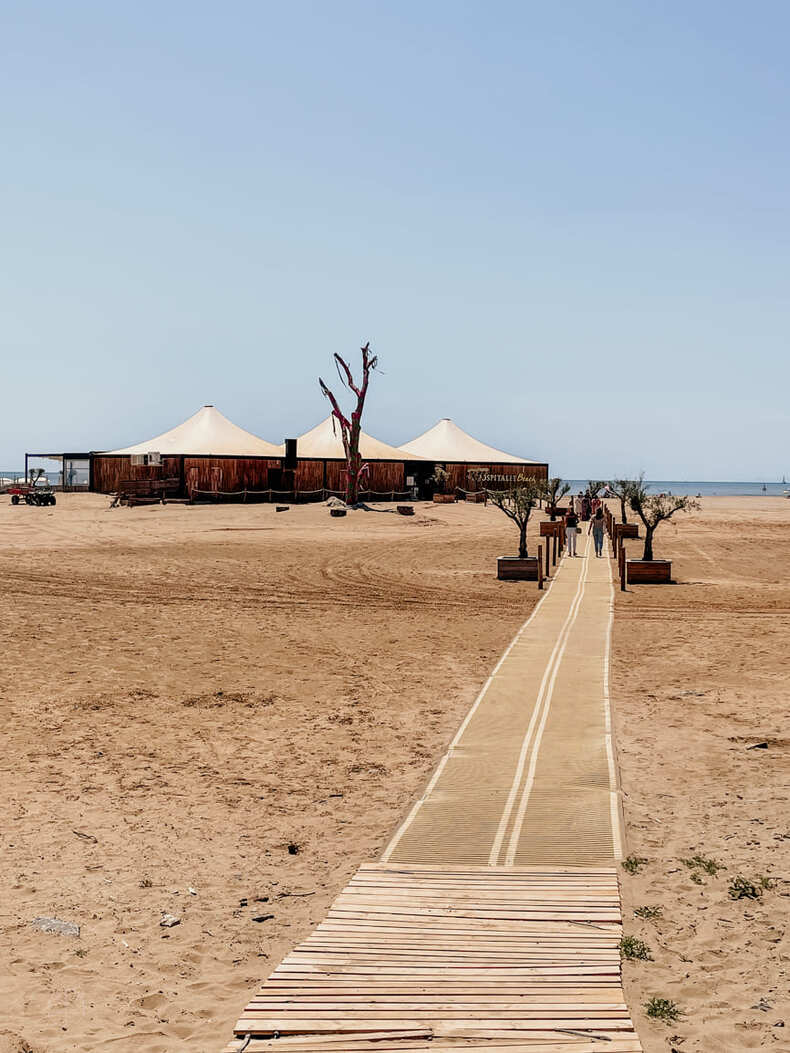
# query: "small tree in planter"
350,429
440,481
653,509
552,491
621,488
594,487
517,503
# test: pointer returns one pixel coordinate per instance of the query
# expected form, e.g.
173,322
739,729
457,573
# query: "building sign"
484,478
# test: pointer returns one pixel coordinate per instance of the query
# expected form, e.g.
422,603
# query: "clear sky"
565,226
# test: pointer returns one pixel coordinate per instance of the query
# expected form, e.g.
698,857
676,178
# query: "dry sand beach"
198,689
700,678
221,712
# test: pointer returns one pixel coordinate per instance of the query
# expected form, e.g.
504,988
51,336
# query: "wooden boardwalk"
494,918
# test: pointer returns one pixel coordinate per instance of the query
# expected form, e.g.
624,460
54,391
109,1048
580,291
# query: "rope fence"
296,495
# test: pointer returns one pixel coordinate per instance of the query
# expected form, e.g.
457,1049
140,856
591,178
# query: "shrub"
649,913
710,866
662,1009
634,949
633,864
741,888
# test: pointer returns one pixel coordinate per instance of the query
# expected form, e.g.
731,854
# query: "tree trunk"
353,472
648,553
622,510
522,541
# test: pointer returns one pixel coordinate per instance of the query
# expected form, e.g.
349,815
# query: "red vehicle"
31,495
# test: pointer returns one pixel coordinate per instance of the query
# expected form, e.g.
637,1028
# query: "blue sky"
564,226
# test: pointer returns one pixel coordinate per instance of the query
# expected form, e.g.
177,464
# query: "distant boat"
765,489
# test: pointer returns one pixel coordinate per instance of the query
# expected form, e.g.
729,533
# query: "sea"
702,488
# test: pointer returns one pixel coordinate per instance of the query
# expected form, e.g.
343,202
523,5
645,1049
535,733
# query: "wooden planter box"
476,496
512,568
558,510
549,529
444,499
627,529
648,571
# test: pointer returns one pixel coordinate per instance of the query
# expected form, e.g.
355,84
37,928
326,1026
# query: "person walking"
596,529
571,523
585,508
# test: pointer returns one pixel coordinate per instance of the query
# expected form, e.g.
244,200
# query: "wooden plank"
414,957
286,1024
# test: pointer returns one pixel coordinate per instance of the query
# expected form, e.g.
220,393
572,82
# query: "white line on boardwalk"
435,778
533,761
522,760
614,799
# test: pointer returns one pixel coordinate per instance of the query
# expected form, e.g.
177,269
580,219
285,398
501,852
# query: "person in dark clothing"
571,523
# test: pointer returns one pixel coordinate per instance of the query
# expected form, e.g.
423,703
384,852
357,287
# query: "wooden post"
540,566
554,549
622,568
547,556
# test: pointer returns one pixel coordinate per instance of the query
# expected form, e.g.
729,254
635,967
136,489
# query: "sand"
244,704
187,692
699,675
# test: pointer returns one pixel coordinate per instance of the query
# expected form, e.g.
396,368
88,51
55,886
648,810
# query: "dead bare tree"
350,428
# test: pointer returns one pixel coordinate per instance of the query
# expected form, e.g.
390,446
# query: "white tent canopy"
324,442
208,433
446,443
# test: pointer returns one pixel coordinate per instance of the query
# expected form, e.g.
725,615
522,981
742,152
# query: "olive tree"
552,491
653,509
517,503
594,487
440,479
621,488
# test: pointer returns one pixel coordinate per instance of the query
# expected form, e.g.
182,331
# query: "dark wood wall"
383,476
204,473
309,475
108,472
230,474
227,474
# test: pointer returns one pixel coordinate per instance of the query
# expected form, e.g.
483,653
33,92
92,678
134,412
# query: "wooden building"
321,464
207,454
472,464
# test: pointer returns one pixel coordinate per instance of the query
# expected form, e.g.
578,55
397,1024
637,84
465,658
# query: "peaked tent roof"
207,433
325,443
446,442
